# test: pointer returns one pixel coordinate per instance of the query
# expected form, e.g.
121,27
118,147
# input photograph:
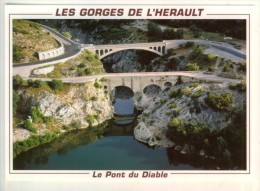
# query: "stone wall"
51,53
43,70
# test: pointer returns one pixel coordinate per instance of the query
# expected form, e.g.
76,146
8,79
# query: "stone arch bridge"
105,50
139,83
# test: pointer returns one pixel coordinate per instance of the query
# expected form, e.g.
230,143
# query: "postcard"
132,95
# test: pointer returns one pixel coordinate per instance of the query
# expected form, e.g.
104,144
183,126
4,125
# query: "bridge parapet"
105,50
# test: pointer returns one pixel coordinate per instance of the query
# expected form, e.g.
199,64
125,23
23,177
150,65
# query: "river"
110,146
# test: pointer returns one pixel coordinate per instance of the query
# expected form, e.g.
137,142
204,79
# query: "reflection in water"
123,105
107,147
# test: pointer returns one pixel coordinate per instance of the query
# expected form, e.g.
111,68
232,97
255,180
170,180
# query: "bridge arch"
167,84
151,90
104,53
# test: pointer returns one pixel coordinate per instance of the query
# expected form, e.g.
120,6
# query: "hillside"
28,39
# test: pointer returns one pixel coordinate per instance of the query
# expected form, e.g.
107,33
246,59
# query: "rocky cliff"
82,104
188,103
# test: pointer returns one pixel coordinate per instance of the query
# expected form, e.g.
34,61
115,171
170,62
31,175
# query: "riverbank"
42,109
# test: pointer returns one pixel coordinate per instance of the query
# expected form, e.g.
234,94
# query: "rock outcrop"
78,104
189,107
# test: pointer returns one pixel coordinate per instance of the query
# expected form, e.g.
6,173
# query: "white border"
180,181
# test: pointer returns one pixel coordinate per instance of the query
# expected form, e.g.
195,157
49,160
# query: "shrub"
196,52
242,66
174,123
36,114
90,119
103,79
17,81
82,65
57,85
39,83
211,68
226,68
172,105
241,86
97,85
219,101
198,93
175,93
88,71
163,101
67,35
47,119
193,85
29,126
211,57
191,67
186,91
232,86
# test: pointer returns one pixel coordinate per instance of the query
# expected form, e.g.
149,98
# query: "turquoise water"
106,147
115,149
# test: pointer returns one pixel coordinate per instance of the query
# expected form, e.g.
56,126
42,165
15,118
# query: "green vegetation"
191,67
175,93
172,105
16,99
211,57
172,34
67,35
29,126
200,26
242,66
198,93
217,101
155,32
56,85
97,85
84,64
18,82
91,119
196,52
17,55
241,87
31,142
186,91
175,123
28,39
163,101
